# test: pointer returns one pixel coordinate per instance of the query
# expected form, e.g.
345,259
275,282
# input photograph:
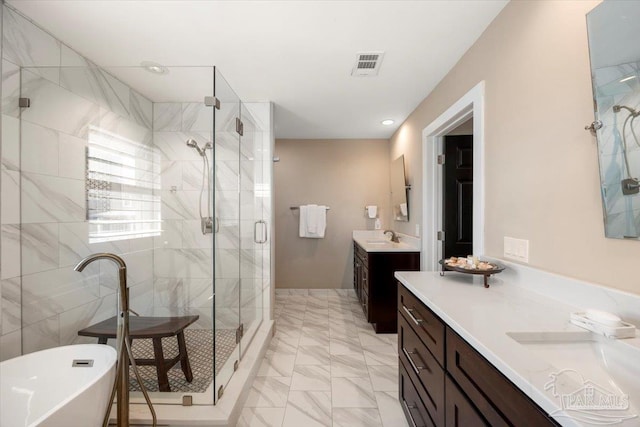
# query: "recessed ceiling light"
154,67
387,122
627,79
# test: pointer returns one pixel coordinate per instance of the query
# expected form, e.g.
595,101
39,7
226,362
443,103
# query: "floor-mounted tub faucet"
123,347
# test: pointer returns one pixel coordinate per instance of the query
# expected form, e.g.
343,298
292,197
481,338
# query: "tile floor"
325,366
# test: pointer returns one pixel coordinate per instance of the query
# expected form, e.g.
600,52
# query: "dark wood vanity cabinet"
376,287
454,384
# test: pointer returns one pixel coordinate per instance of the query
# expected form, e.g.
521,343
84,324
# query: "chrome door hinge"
239,333
441,159
440,236
212,101
239,127
24,102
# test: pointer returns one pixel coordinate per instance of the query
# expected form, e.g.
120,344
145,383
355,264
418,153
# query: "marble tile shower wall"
44,233
183,273
623,212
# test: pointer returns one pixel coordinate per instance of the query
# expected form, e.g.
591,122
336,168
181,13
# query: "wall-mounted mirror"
615,71
399,188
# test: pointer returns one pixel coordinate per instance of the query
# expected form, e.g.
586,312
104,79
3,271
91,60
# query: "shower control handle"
206,224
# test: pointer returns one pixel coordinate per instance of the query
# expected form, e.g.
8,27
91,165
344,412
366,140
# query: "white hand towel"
312,219
303,221
321,221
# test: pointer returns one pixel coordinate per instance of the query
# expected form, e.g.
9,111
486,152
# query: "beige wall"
345,175
541,165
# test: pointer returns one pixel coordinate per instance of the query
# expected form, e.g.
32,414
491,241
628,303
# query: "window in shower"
122,186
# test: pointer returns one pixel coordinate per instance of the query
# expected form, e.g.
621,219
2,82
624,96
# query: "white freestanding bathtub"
46,389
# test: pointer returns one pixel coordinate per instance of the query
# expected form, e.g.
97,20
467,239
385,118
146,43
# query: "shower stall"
165,167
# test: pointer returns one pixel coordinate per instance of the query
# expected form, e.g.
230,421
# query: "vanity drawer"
499,401
361,253
412,406
460,412
423,369
424,322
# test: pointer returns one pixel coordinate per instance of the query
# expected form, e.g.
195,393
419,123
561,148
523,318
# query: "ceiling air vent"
367,64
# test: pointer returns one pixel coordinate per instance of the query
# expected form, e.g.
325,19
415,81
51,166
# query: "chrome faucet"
123,347
394,236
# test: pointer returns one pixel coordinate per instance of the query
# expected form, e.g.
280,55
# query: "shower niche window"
121,186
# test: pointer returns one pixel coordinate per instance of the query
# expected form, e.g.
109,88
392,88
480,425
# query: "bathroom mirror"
399,203
615,71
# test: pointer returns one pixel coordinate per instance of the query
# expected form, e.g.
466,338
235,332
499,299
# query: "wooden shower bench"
155,328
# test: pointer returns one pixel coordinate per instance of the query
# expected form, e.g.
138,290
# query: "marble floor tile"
344,346
348,365
268,392
314,337
311,378
276,365
284,345
308,409
381,355
261,417
390,410
371,338
356,417
352,393
312,355
383,378
325,366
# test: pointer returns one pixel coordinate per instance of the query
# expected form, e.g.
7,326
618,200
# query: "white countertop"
484,316
377,241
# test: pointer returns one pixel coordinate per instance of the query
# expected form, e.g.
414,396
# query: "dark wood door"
458,195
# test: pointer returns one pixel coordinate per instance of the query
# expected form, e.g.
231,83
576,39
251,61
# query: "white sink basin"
380,242
582,360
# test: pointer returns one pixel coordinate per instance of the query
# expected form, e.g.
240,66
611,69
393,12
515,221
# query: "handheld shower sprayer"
192,143
206,222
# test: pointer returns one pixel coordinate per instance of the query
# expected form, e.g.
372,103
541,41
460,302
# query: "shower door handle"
264,232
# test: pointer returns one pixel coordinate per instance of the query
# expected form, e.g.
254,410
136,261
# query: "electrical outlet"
516,249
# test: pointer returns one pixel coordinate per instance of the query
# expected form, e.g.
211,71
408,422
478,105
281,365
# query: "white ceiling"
297,54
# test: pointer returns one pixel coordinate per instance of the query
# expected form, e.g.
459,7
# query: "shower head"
194,144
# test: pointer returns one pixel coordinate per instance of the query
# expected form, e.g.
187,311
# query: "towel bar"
295,208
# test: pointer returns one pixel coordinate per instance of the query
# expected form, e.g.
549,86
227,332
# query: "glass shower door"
252,227
227,233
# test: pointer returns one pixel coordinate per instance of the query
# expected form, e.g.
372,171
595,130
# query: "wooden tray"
485,273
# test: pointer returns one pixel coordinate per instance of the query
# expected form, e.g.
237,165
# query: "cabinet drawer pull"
410,311
409,408
415,367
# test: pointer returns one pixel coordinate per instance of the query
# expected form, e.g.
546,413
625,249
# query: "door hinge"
239,333
440,236
220,391
212,101
24,102
441,159
239,127
235,366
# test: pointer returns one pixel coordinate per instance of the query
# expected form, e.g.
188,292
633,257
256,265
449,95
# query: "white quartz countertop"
484,317
377,241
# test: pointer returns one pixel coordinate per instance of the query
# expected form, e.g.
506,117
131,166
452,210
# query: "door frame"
470,105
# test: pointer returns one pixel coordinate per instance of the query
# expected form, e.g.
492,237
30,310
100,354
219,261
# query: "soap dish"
622,330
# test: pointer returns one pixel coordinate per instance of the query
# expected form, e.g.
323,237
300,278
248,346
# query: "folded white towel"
313,221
